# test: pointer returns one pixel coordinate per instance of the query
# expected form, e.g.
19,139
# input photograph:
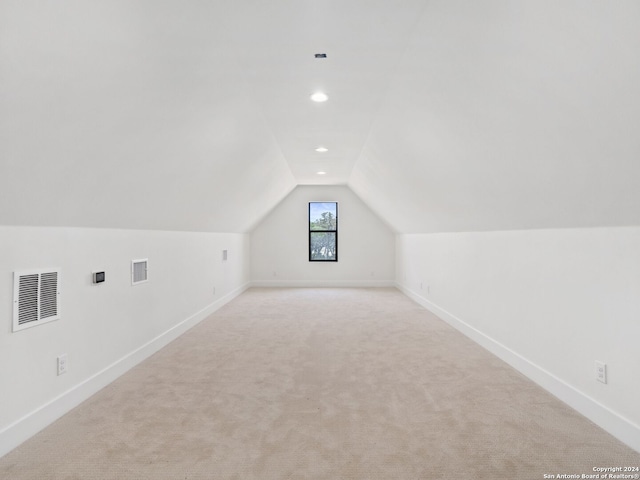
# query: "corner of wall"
27,426
622,428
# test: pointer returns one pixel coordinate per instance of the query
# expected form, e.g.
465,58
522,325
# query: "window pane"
322,246
322,216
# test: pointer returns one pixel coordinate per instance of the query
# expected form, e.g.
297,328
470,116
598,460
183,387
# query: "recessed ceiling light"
322,149
321,173
319,97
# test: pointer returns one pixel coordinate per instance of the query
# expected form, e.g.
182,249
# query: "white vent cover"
36,298
139,271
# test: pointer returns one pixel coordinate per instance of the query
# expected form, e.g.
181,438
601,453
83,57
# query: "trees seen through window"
323,231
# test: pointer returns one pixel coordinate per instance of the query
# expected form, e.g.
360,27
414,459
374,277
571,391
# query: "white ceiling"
442,116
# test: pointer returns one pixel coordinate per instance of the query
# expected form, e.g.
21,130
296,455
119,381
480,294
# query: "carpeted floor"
319,384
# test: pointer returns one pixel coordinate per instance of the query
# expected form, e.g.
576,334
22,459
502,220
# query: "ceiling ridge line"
384,96
256,104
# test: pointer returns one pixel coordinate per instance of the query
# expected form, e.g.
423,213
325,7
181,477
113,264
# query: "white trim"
620,427
323,284
27,426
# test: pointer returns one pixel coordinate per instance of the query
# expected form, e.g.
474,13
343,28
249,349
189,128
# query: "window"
323,231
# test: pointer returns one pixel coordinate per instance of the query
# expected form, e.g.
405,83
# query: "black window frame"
335,257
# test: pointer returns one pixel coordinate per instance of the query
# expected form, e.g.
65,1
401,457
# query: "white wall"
550,302
279,244
105,329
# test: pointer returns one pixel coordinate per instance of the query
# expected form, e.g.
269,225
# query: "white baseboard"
27,426
323,284
620,427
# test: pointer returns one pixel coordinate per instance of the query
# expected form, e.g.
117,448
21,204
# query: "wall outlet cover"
601,372
62,364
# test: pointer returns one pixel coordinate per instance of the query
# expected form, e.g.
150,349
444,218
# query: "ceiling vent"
36,298
139,271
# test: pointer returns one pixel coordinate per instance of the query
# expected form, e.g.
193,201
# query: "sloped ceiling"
510,115
130,114
442,116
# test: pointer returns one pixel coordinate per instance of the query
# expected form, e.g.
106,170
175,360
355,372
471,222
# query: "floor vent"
139,271
36,298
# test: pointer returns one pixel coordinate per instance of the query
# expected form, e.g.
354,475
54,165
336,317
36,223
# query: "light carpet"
319,384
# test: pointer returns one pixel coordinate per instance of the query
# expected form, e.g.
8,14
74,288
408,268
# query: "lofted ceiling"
442,115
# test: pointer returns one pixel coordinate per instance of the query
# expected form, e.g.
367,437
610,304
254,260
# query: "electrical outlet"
601,372
63,364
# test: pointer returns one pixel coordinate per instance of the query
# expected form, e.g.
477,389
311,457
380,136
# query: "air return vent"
36,298
139,271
